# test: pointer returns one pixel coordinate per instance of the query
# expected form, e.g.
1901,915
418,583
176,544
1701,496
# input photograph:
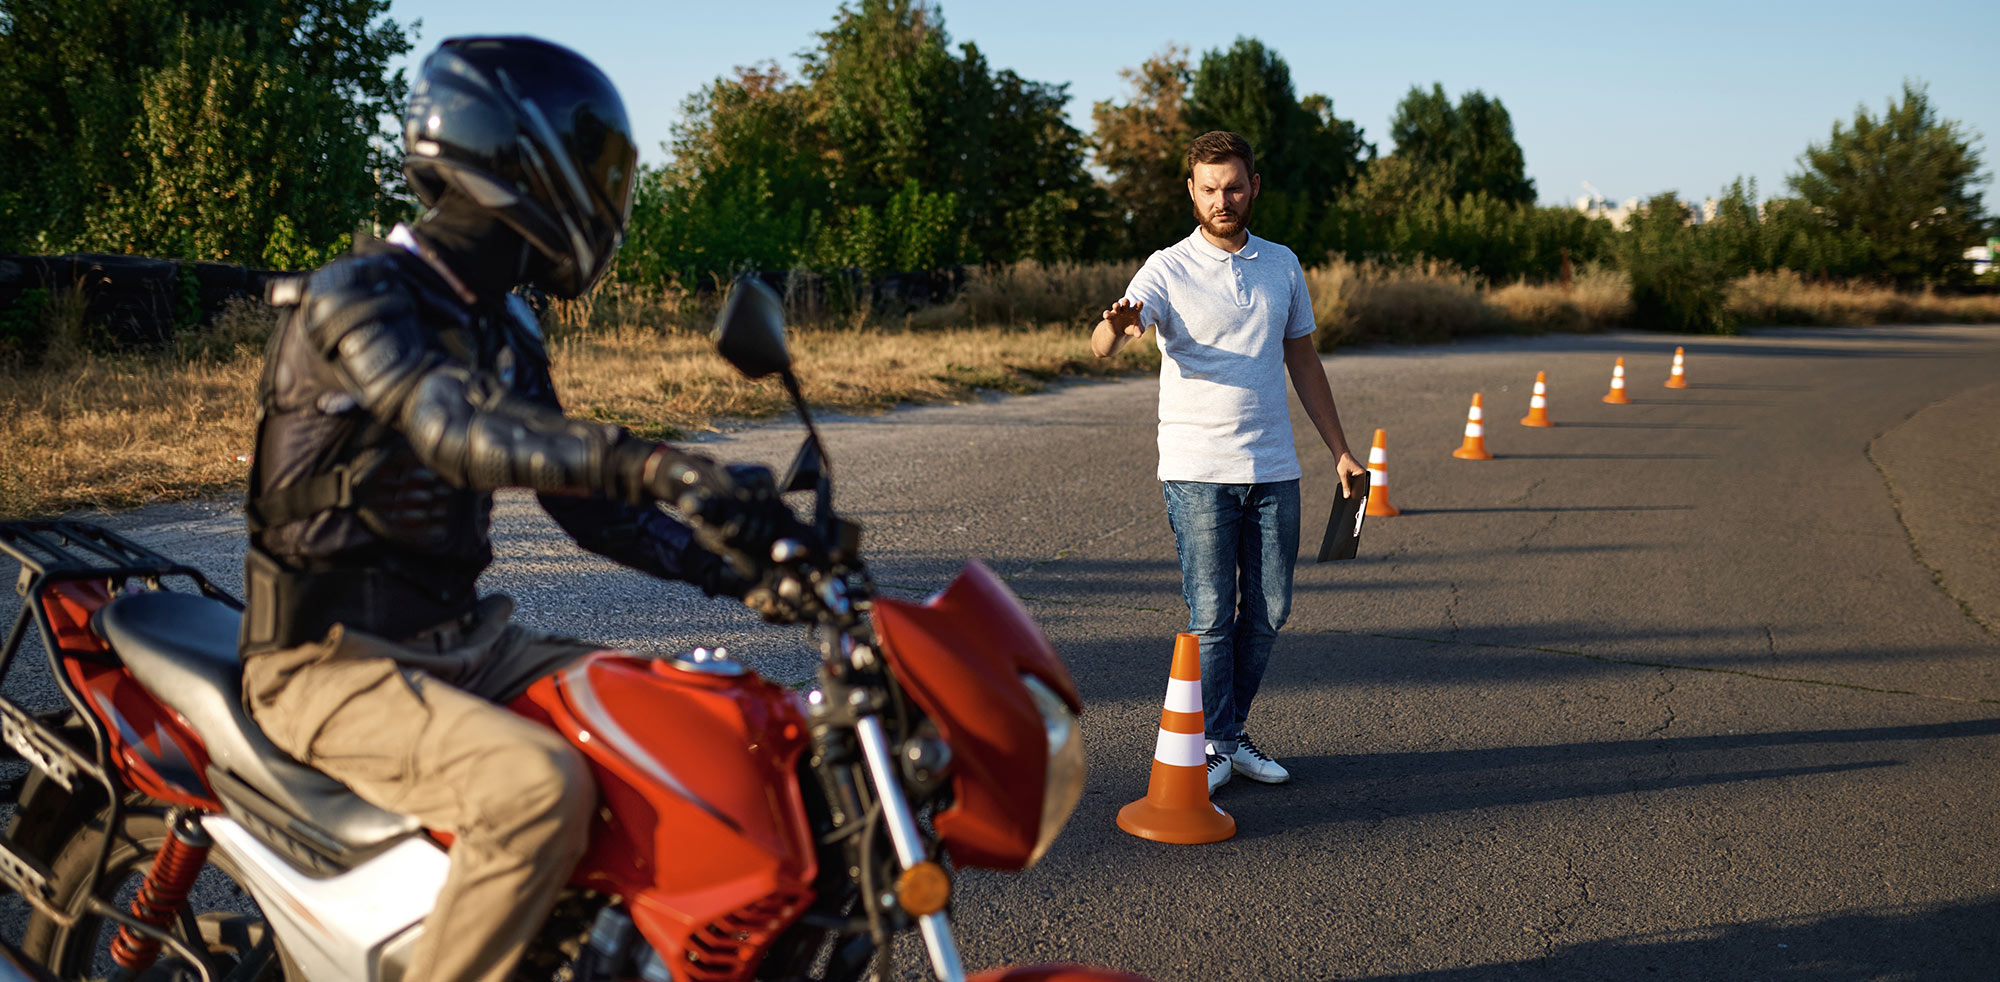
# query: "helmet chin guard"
535,134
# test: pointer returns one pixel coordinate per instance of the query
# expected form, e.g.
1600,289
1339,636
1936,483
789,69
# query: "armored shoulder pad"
359,312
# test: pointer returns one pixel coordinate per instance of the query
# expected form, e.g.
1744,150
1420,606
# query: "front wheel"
221,920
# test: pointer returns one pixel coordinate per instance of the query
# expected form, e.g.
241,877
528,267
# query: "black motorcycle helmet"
535,134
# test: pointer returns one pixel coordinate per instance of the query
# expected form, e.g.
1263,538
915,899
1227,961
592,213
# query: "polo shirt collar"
1219,254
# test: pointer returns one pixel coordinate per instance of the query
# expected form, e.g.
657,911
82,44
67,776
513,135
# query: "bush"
1784,297
1598,297
239,330
1032,293
1429,301
1676,284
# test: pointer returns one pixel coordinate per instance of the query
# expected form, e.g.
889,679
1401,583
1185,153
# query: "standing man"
1231,310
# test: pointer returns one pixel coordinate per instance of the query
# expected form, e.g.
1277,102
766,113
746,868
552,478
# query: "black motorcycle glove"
734,510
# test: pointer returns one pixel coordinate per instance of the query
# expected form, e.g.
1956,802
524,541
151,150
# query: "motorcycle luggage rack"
67,552
51,553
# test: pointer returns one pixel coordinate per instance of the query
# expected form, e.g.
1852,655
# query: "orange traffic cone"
1538,407
1176,806
1378,477
1679,378
1617,394
1475,434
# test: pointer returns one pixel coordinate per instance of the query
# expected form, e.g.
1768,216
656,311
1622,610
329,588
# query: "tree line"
253,131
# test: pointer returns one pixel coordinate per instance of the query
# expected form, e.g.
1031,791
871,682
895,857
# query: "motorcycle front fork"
908,842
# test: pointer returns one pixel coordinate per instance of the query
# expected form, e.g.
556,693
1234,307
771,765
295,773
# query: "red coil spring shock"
163,892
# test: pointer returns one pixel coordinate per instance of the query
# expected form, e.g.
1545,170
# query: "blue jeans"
1235,541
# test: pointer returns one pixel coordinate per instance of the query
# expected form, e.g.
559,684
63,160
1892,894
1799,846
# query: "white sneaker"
1218,768
1253,764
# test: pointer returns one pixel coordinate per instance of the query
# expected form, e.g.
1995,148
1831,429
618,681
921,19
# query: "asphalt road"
1702,687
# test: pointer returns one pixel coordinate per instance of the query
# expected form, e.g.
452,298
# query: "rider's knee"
543,791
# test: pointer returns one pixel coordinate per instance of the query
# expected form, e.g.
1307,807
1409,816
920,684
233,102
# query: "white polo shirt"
1221,320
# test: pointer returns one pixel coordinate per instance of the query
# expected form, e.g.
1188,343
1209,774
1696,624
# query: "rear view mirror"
750,331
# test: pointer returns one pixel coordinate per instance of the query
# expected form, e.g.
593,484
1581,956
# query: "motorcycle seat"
182,648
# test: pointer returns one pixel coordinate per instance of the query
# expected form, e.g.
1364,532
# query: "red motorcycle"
746,830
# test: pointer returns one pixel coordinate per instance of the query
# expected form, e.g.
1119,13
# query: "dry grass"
108,432
83,430
1598,297
1368,301
1031,294
1784,297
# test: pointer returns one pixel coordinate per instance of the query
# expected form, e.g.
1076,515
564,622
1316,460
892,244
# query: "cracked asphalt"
1702,687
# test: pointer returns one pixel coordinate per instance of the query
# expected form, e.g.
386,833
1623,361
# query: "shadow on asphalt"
1742,387
1648,426
1698,402
1482,511
1604,456
1942,943
1378,786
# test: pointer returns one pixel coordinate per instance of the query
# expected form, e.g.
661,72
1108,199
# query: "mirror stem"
823,495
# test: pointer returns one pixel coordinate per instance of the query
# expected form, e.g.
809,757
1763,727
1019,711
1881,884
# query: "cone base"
1181,826
1383,510
1677,383
1472,453
1617,398
1532,421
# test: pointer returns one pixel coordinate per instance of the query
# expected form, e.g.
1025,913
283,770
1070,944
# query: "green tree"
1142,145
245,130
889,148
1677,283
1464,149
1308,157
1906,181
900,105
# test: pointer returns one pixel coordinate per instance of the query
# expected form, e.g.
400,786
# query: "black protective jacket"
389,411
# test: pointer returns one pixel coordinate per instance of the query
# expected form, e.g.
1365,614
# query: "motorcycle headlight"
1063,787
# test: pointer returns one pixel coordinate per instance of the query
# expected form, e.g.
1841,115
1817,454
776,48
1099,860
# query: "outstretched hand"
1124,317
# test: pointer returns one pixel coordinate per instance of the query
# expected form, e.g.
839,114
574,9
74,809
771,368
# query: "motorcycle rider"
407,385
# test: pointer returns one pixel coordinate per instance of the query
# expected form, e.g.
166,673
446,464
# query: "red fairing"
961,655
154,749
702,826
69,604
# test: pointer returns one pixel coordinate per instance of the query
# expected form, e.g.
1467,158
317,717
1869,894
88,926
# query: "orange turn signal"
923,888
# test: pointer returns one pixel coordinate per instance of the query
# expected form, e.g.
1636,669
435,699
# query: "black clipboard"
1343,527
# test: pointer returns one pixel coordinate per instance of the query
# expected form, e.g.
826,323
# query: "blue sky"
1635,99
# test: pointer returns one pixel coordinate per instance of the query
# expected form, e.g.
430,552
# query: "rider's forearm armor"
464,424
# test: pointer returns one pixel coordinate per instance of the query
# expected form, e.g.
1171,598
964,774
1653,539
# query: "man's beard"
1227,227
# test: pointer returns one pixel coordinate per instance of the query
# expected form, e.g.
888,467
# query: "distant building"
1984,258
1594,205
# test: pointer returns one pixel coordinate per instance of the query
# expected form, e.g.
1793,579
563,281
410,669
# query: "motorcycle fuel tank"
701,825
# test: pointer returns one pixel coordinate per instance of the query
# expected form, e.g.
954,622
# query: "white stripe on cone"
1180,749
1538,403
1377,455
1183,696
1540,389
1475,414
1474,429
1378,479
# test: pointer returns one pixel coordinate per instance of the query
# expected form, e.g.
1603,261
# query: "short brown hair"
1216,146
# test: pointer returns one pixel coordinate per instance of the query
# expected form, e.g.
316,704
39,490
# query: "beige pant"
415,727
